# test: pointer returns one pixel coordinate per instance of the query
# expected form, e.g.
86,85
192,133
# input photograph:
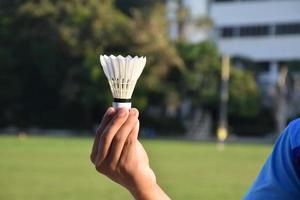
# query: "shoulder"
293,130
295,122
294,126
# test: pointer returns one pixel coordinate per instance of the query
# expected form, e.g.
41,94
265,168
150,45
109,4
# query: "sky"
197,7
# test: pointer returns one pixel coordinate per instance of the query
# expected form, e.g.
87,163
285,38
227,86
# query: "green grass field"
43,168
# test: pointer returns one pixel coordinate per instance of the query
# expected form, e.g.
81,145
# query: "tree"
50,52
202,81
57,45
181,17
281,104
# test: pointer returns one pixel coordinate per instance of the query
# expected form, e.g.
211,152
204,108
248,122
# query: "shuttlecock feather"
122,74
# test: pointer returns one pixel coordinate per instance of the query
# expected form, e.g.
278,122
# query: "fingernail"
110,111
133,112
121,112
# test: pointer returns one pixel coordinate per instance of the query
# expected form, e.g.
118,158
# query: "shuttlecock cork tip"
122,74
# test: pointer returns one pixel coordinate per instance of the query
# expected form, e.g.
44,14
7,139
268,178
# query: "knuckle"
125,168
118,139
111,167
129,141
100,169
116,121
105,137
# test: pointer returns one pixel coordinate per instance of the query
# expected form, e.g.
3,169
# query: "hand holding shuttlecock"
122,74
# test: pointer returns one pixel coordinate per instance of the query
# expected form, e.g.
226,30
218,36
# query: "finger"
130,145
135,132
105,120
121,137
109,132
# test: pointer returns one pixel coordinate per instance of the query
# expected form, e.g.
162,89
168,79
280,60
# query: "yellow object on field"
222,134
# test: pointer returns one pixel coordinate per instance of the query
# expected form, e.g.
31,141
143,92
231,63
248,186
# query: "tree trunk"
281,101
181,19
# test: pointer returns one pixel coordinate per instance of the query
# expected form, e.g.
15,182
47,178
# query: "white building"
265,31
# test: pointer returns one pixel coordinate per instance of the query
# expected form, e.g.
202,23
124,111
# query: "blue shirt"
279,178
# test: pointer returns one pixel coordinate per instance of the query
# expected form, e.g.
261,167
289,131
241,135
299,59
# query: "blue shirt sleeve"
279,178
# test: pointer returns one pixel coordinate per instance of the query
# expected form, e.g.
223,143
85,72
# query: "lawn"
58,168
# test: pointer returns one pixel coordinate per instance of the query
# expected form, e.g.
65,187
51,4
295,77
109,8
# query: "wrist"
145,192
151,191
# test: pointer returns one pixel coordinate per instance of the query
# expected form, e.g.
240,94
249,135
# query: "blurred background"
216,69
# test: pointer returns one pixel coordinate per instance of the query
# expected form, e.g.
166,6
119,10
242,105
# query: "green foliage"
129,6
202,80
49,58
202,73
50,71
243,94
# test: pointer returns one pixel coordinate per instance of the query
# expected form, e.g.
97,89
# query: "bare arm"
118,155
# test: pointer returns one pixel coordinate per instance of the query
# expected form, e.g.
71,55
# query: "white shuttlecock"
122,74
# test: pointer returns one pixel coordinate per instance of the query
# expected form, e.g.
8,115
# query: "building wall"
269,13
255,12
265,31
259,49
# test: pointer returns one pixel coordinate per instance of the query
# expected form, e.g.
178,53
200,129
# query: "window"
254,31
262,66
284,29
259,30
227,32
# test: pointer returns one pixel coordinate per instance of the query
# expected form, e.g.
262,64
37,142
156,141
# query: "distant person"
120,156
